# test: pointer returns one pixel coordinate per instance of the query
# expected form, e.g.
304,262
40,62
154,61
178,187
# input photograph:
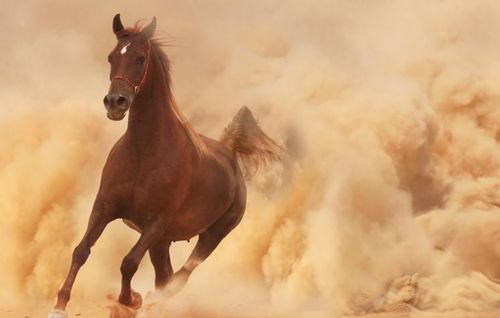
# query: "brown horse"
161,178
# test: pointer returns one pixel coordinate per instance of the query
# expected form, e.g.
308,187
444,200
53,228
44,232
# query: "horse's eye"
140,60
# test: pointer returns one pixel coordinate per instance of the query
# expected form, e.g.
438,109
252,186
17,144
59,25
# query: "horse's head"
129,62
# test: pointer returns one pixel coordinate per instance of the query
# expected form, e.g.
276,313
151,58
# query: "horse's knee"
129,266
81,253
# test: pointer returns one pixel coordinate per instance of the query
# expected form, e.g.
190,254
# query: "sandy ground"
93,311
103,313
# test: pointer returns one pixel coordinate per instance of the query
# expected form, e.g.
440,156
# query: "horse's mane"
198,143
157,46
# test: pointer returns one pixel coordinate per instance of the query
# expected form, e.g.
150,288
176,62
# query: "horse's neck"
152,121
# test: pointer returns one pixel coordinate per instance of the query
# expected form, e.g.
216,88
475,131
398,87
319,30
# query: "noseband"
139,86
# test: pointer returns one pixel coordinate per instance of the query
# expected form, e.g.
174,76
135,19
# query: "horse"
162,178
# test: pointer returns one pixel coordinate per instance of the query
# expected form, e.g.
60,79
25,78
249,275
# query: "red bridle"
137,87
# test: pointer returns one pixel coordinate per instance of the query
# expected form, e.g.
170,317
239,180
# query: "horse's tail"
249,143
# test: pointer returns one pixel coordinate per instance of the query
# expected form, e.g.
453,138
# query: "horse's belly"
132,225
190,223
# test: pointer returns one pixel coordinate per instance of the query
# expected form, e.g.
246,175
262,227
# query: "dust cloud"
390,199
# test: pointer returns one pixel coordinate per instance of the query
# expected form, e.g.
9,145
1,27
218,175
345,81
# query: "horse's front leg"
131,262
96,225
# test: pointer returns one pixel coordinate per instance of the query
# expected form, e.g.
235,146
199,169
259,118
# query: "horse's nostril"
106,101
121,101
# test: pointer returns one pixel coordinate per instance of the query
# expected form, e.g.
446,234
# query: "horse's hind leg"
97,223
159,254
207,242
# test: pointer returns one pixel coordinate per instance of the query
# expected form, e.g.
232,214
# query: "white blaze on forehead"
124,48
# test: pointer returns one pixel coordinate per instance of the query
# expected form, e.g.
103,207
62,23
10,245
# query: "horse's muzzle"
116,105
116,115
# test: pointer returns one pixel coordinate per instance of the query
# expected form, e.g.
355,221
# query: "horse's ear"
149,30
117,24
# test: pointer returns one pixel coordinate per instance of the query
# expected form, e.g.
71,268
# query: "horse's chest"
141,190
143,201
150,190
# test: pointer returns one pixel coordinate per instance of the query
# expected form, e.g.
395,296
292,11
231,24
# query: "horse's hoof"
136,300
56,313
